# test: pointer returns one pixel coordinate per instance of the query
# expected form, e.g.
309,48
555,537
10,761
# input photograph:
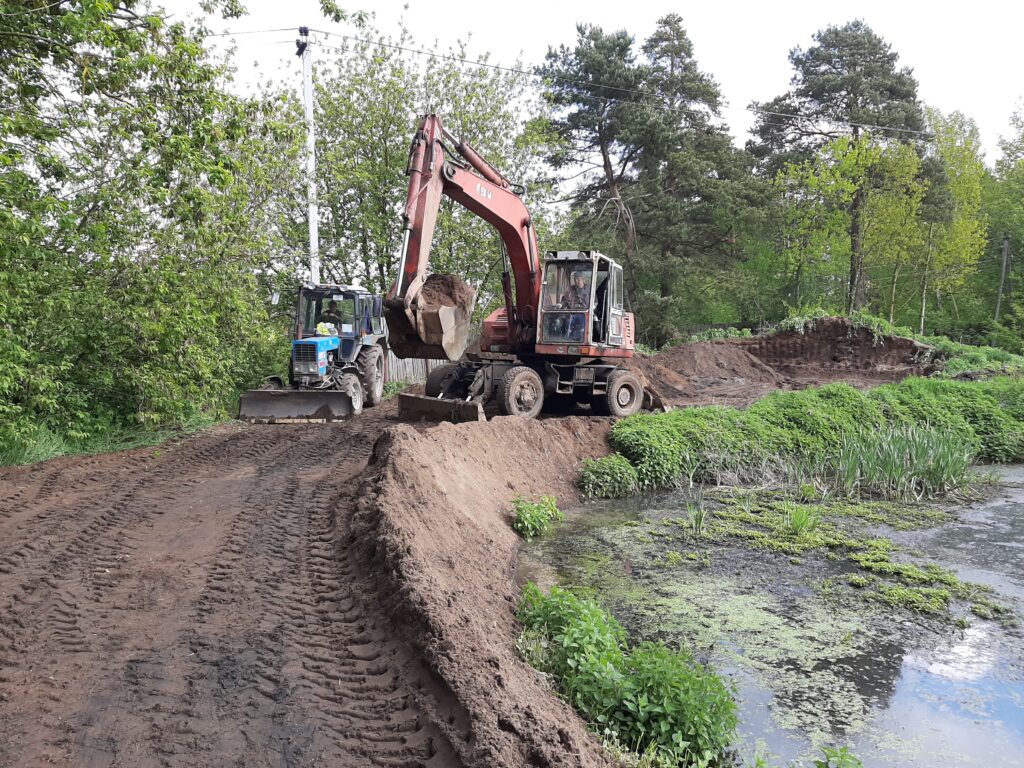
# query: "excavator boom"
429,315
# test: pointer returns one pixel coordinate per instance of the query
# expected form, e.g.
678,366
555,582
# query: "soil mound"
739,371
836,350
706,372
433,529
447,291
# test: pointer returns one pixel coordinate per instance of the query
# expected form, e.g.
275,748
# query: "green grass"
45,443
660,702
392,388
532,518
610,477
854,441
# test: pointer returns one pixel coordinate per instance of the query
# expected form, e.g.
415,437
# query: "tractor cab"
333,323
347,312
581,310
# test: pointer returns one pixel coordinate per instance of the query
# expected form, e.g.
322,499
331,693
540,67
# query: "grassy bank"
44,443
915,438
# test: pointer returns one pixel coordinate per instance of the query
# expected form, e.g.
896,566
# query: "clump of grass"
392,388
802,518
659,701
904,463
610,477
532,518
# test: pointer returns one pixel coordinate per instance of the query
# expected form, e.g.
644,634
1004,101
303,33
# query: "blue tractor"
337,360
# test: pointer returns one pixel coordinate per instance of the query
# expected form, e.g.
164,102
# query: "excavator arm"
428,316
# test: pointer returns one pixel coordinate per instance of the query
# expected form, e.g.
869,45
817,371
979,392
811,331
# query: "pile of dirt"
433,527
704,373
836,350
739,371
447,291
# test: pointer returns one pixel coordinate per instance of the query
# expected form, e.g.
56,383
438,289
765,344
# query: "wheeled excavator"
563,332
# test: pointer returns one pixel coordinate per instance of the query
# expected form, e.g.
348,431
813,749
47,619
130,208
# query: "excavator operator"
331,315
577,296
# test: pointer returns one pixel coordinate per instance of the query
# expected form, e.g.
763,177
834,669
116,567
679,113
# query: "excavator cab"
581,310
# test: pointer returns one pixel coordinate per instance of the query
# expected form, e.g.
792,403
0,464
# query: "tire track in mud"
196,606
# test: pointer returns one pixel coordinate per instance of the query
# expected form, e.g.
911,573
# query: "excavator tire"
624,396
521,392
371,370
353,387
435,383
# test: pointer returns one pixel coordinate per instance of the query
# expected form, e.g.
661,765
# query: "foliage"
923,431
394,387
610,477
648,696
532,518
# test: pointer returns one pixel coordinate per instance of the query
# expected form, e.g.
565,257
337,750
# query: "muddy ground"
278,596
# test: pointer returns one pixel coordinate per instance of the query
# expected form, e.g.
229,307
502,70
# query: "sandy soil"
200,605
739,371
278,596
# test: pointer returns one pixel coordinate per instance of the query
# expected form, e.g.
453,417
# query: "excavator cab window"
568,297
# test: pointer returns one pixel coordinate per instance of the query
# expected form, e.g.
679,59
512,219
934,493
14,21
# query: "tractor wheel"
624,396
351,386
437,383
371,371
521,392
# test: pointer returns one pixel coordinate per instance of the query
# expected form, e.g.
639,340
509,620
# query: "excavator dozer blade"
422,408
281,406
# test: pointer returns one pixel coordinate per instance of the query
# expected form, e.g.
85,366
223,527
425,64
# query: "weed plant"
658,701
610,477
532,518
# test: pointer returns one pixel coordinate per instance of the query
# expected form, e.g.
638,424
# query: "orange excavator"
563,332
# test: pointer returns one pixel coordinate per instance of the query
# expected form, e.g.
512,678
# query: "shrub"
610,477
532,518
917,436
650,697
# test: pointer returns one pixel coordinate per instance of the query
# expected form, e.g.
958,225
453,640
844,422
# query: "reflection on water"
813,668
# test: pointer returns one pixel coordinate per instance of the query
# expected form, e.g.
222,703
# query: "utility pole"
1002,274
305,52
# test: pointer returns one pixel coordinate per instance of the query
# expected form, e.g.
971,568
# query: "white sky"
966,56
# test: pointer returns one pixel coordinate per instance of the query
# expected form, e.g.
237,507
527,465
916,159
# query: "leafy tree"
847,82
369,100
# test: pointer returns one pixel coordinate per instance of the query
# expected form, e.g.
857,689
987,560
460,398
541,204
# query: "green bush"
610,477
532,518
649,697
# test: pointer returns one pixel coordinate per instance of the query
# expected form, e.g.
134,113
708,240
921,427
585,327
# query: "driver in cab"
577,296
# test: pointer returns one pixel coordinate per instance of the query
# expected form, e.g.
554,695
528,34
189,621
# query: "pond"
813,662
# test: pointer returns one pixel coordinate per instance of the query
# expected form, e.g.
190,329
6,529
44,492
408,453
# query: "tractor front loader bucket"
422,408
281,406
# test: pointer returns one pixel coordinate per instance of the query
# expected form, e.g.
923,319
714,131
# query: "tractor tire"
521,392
624,396
371,370
350,384
436,386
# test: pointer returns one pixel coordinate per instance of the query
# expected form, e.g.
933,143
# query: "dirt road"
195,605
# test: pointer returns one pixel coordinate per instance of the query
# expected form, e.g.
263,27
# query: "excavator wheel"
437,382
521,392
350,385
624,396
371,370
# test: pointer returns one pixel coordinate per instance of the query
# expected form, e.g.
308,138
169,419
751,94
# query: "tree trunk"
854,295
924,280
892,295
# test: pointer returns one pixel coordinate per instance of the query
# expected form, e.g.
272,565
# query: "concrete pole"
306,52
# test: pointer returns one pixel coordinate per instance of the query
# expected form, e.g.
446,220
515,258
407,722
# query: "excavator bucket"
282,406
422,408
436,324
